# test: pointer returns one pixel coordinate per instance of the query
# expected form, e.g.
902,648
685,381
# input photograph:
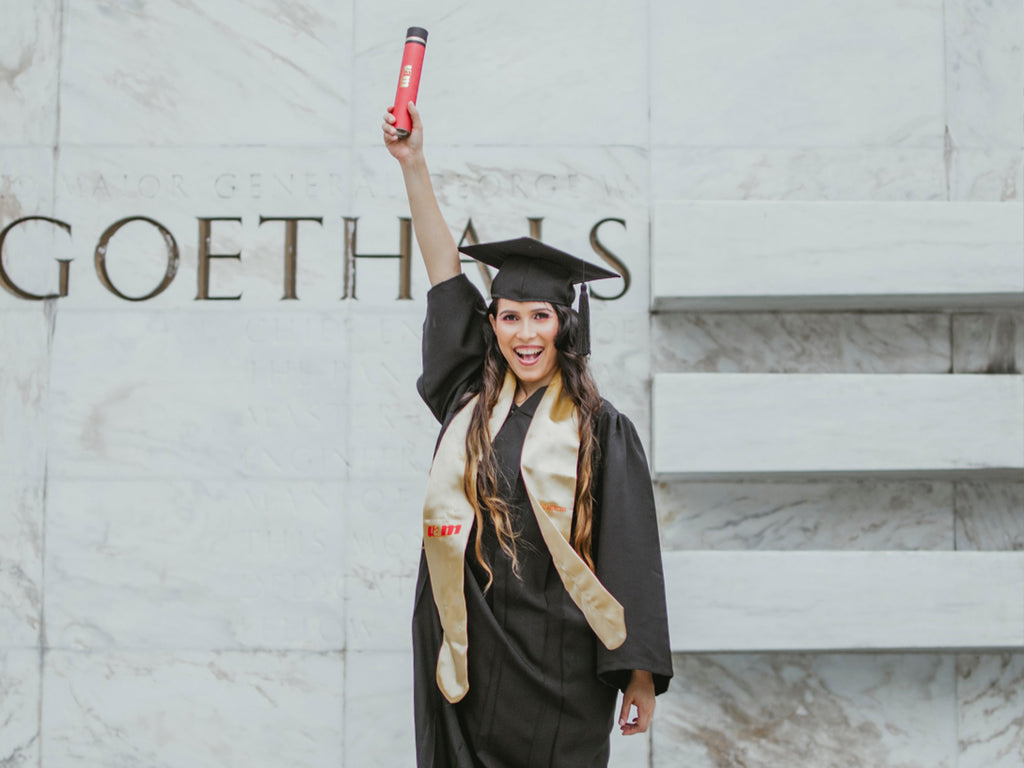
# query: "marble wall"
208,507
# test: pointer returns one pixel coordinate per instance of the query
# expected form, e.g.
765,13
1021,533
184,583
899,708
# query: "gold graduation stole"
549,461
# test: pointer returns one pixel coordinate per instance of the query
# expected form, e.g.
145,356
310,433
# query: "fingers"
627,702
627,726
388,126
405,145
630,727
389,121
644,711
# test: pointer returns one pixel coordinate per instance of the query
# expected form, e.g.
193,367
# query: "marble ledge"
822,426
838,255
844,601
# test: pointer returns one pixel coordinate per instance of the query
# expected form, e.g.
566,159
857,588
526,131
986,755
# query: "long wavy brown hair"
481,478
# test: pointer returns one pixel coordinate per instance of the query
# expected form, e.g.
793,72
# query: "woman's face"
526,333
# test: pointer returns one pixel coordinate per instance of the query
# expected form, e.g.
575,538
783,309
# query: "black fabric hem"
619,678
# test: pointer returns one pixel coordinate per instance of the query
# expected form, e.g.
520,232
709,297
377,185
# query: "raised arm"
440,254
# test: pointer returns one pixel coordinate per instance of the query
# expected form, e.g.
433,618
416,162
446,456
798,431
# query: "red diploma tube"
409,77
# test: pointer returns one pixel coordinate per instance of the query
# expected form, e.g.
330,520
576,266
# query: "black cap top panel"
529,270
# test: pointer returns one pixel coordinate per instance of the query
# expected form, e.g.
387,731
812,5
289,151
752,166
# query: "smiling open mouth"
530,354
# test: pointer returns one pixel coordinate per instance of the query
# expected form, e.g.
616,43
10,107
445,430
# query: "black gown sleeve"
628,555
453,344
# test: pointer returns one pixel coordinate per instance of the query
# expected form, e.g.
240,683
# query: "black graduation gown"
542,688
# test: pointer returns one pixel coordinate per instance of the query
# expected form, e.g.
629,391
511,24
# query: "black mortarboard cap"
529,270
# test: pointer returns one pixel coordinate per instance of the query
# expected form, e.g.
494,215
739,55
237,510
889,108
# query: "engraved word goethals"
291,238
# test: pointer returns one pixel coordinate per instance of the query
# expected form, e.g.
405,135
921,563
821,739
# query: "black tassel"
583,334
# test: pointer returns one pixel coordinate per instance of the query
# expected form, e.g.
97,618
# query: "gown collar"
529,405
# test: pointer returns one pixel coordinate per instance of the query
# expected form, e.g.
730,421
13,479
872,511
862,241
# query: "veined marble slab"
986,174
223,72
379,728
510,73
756,172
22,505
20,691
989,516
391,434
992,342
815,255
620,362
210,394
845,73
990,699
800,342
847,514
382,553
200,565
25,340
816,601
29,63
856,710
193,709
983,39
733,426
378,612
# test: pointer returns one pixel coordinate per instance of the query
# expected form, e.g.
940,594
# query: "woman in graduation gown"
540,592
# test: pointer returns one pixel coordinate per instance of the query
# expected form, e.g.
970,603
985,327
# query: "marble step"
844,601
757,255
743,425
